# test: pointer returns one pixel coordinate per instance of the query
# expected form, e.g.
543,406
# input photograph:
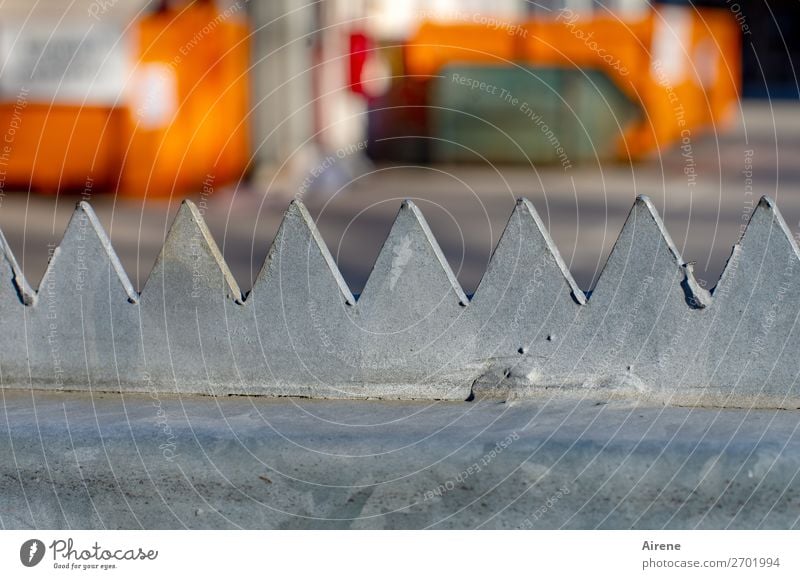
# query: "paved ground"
108,461
467,206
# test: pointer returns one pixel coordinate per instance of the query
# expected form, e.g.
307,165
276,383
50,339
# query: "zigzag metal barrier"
647,330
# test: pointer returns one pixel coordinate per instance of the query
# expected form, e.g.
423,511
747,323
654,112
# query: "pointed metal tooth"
527,293
190,305
300,337
411,315
644,263
754,333
82,332
299,239
644,249
644,299
411,270
525,254
766,231
85,257
190,263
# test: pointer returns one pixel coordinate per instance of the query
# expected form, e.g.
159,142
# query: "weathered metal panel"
647,330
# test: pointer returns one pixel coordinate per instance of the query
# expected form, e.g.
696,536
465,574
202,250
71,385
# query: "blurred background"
352,106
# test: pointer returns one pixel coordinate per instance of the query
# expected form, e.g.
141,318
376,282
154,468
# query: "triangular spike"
299,233
301,339
190,306
21,287
527,297
84,326
644,249
191,254
84,252
765,222
412,314
767,207
753,333
410,261
524,247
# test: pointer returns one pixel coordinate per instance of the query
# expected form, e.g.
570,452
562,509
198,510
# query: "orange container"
48,148
187,121
680,64
434,45
180,128
619,47
692,84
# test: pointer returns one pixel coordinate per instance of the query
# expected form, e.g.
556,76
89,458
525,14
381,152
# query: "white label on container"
672,33
154,95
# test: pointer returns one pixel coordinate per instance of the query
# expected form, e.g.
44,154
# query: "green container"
527,114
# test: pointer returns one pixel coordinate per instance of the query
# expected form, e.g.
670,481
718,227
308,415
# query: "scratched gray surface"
148,461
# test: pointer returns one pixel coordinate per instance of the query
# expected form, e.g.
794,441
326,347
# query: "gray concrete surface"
72,460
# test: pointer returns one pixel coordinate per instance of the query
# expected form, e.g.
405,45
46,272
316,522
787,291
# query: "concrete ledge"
70,460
